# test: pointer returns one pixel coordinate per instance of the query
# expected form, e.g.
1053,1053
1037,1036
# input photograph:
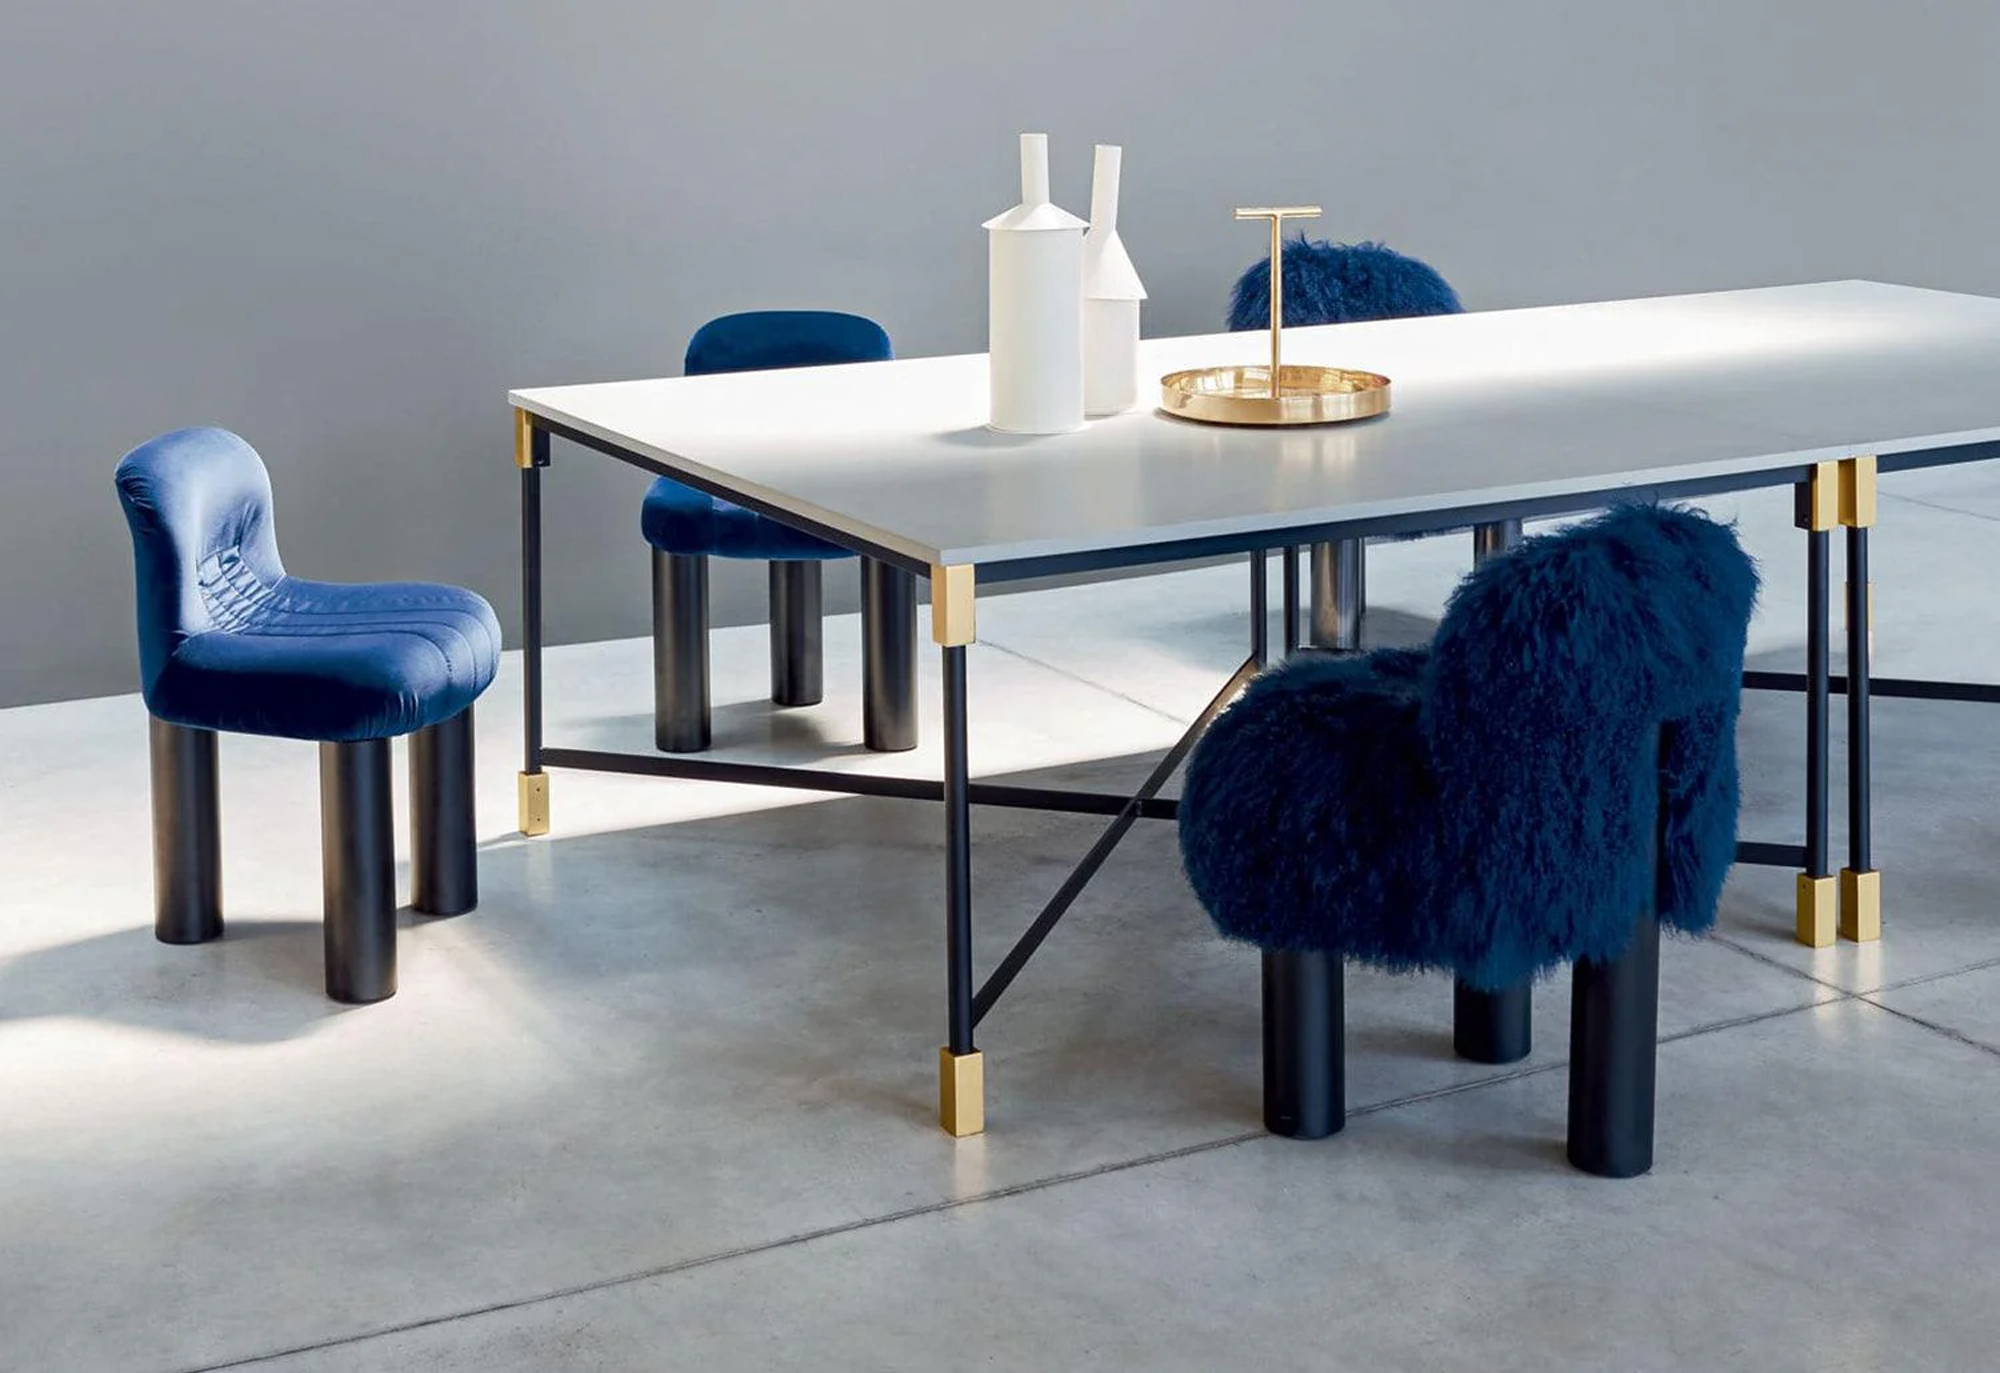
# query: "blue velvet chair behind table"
1552,780
230,643
1344,283
687,527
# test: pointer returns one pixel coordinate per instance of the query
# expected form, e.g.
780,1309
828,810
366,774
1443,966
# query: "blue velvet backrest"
192,498
758,340
1573,686
1341,283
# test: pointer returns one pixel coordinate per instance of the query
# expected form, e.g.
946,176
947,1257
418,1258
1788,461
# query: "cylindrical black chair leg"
1493,1027
187,835
358,863
680,652
444,839
1305,1038
797,675
888,657
1613,1047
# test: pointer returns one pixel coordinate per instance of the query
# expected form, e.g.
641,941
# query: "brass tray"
1304,394
1242,395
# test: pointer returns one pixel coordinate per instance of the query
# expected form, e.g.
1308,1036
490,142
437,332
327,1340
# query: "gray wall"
345,229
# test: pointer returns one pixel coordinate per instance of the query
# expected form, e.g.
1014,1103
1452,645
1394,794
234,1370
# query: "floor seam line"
950,1204
1770,962
1078,677
1979,967
1944,1030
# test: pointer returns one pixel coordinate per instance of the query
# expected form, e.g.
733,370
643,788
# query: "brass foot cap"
534,797
1860,905
1818,903
961,1093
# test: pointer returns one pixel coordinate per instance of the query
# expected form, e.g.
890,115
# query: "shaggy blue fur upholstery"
679,519
1487,805
229,641
1341,283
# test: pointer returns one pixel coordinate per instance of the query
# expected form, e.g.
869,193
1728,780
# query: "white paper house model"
1111,296
1034,322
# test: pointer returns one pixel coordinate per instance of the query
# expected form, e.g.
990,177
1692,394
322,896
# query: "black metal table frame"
1828,495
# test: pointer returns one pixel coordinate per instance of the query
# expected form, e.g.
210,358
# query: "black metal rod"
358,865
995,794
798,675
1260,606
680,652
1818,703
1305,1045
187,834
960,1017
1339,594
1038,930
1903,688
1860,855
1492,1027
531,603
1291,598
888,657
1771,855
444,831
1613,1051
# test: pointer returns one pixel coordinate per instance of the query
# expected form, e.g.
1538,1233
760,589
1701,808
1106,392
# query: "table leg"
1860,883
1493,1026
1290,573
1260,606
961,1068
1817,514
531,455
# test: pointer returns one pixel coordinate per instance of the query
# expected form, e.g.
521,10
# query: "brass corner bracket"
1857,492
952,597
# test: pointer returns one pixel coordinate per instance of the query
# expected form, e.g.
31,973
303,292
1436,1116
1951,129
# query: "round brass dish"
1242,395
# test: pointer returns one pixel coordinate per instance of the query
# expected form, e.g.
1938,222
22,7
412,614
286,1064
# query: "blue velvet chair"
1344,283
230,643
687,527
1550,781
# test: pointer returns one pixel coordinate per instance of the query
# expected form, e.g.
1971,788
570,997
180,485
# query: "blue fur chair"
687,527
1341,283
1559,761
230,642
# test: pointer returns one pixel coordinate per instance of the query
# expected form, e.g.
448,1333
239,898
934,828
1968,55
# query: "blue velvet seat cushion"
1489,806
680,519
326,661
229,641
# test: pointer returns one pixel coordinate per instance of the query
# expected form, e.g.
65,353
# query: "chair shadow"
261,982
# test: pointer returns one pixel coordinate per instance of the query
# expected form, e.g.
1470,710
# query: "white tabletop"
1512,405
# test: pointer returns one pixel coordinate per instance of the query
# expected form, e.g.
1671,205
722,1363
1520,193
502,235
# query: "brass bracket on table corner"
1860,905
532,790
961,1093
525,445
1816,505
1857,492
1818,904
953,623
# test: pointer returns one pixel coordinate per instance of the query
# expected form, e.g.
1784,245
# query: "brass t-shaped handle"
1277,214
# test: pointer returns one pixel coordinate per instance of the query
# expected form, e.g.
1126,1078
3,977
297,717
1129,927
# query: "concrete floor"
665,1099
